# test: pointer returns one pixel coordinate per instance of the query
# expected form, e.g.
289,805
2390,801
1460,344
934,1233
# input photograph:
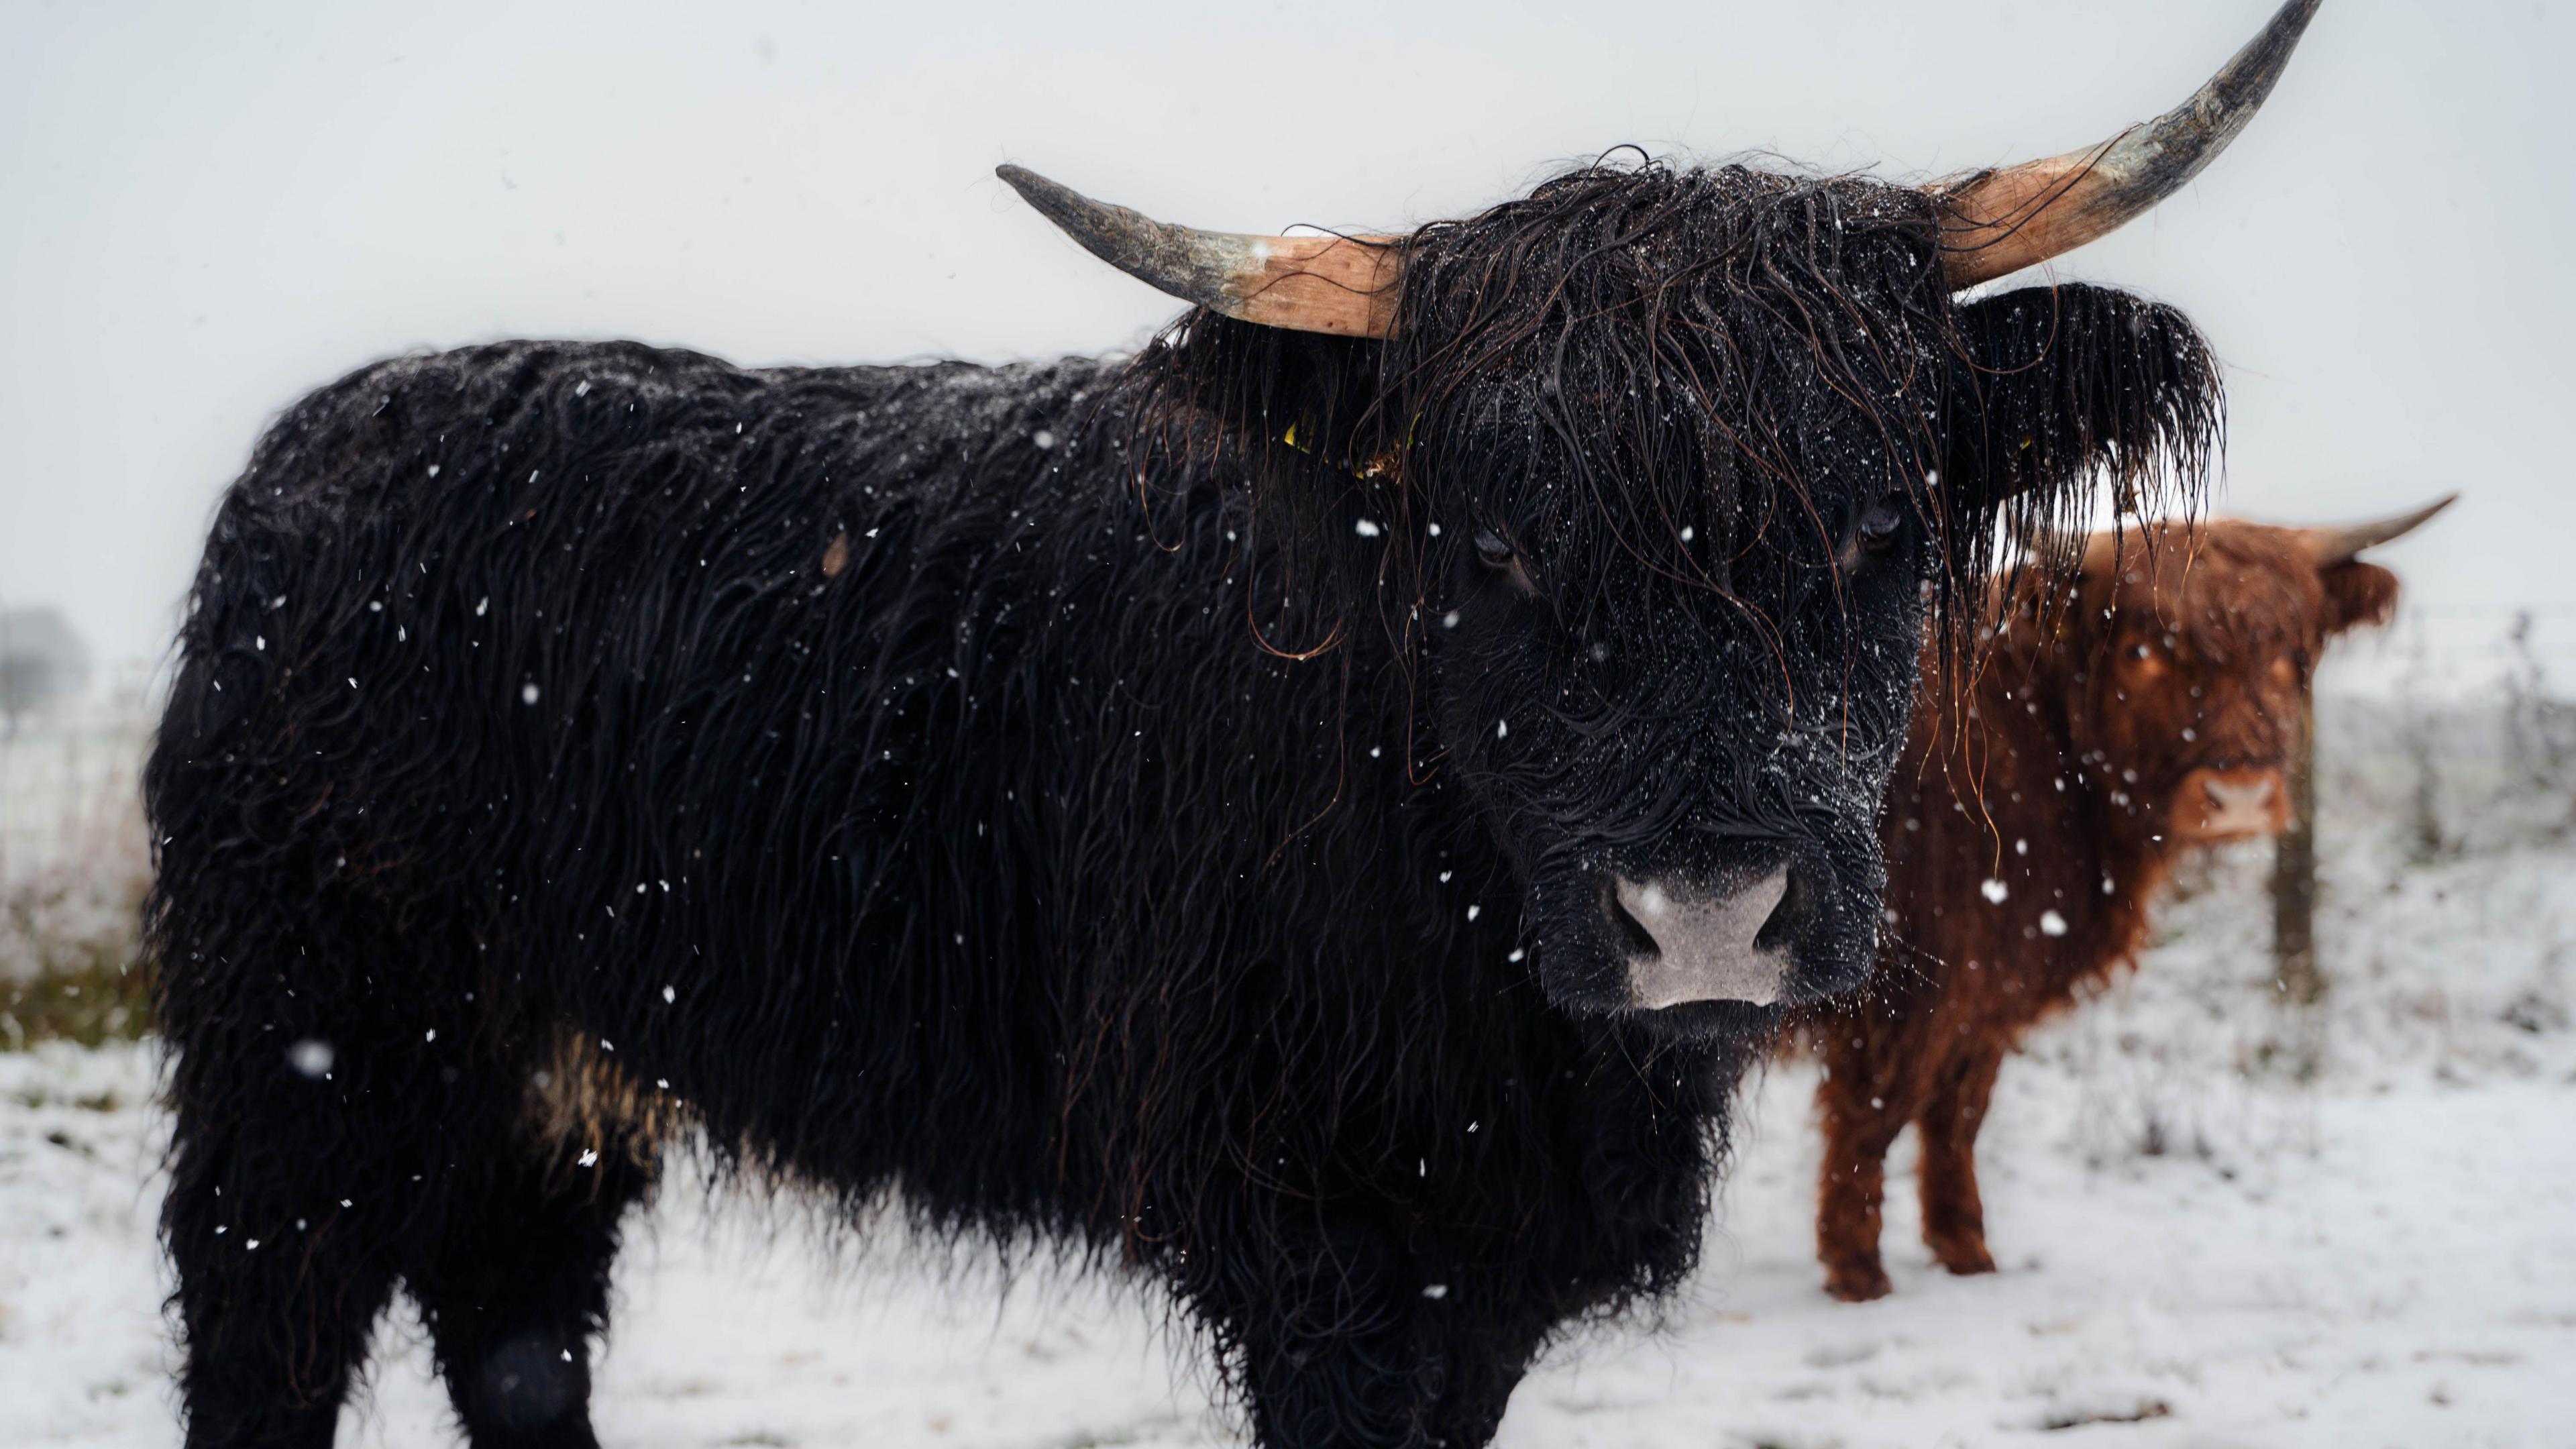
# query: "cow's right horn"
2332,546
2002,221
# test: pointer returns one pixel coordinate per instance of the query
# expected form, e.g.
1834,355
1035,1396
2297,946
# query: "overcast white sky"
206,210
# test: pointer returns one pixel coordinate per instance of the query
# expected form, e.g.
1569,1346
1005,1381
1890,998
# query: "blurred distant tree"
2540,728
42,663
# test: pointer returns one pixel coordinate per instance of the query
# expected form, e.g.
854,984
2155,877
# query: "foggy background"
211,209
2227,1215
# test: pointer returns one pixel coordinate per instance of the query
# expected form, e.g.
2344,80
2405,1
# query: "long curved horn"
2332,546
2002,221
1345,286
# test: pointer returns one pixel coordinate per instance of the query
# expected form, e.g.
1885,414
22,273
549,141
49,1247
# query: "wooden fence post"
2294,874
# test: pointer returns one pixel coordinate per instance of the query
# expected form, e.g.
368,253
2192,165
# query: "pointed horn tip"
1034,189
2270,48
2341,545
2426,513
2405,523
2268,53
1066,207
2230,98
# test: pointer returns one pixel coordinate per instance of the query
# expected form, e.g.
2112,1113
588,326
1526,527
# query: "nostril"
1630,932
2248,796
1798,905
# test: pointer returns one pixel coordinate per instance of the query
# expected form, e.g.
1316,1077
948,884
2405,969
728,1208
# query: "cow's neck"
2104,855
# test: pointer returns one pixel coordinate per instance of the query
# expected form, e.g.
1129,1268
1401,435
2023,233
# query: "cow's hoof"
1857,1283
1965,1258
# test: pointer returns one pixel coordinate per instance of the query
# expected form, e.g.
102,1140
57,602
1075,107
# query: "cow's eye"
1879,526
1496,554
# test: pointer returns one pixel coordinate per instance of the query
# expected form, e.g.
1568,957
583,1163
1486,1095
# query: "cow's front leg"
1484,1340
1954,1216
1345,1339
1860,1124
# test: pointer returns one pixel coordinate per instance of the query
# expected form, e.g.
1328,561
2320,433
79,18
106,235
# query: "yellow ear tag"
1381,466
1290,438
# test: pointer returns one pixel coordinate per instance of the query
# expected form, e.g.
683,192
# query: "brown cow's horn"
1342,285
2002,221
2339,545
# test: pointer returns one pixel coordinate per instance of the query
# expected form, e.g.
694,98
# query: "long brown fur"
2067,769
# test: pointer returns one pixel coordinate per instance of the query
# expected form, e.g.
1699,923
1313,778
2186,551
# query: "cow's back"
625,686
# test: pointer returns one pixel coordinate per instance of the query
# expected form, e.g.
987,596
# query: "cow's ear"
2051,386
2358,595
1301,400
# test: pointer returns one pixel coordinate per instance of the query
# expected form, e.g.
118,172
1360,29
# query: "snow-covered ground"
2221,1222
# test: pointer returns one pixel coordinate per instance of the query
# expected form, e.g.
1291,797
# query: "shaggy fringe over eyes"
1655,339
2059,384
1674,339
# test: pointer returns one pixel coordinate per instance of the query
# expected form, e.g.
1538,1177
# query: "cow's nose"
2234,799
1706,944
2231,804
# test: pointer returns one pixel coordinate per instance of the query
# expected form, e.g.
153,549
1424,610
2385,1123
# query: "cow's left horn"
1341,285
2002,221
2332,546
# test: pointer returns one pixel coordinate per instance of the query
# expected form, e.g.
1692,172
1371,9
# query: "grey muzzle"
1705,942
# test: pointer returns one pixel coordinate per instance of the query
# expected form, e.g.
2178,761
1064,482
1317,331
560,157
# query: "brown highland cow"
2034,815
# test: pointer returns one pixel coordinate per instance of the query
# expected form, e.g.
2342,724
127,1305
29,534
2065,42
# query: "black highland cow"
1317,813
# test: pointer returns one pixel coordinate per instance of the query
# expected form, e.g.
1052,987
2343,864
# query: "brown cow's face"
2214,732
2193,652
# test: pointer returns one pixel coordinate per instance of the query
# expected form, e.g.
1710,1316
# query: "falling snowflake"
310,1058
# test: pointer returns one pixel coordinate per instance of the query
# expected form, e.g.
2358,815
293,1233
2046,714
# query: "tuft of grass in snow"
87,1006
74,864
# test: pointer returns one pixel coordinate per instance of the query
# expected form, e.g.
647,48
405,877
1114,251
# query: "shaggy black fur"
1160,806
